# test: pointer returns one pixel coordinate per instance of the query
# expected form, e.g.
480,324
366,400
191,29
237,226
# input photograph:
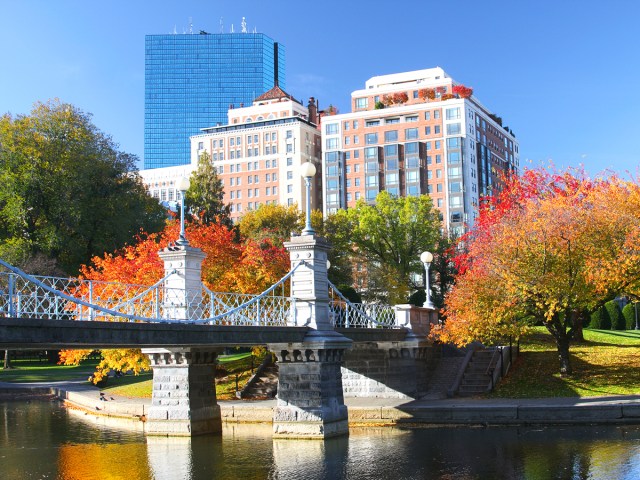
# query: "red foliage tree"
462,91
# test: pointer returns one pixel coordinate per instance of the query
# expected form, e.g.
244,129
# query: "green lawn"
35,371
135,386
606,363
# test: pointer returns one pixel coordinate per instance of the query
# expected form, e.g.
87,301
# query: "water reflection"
43,440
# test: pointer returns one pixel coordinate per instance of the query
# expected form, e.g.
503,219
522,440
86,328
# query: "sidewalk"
456,411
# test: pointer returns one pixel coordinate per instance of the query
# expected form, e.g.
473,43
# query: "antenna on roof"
254,30
221,26
244,25
175,30
191,25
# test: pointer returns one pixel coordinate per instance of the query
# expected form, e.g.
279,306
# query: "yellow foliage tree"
549,248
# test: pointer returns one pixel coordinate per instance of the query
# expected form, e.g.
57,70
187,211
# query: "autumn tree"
206,193
273,222
387,238
550,247
276,224
231,265
66,190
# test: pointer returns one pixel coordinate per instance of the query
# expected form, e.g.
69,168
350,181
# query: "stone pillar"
417,320
183,401
183,290
310,400
309,283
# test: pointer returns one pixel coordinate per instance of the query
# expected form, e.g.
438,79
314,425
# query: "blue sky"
562,74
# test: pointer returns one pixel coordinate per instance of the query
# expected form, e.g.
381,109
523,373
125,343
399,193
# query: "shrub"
600,320
629,313
615,315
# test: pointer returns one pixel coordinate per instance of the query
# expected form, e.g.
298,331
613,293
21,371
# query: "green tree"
629,312
600,319
66,191
615,315
206,193
387,238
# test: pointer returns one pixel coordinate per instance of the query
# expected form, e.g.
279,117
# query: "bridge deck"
17,333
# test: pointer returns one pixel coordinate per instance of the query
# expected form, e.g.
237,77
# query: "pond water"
41,439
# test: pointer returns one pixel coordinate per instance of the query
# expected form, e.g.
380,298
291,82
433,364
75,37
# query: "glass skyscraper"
192,79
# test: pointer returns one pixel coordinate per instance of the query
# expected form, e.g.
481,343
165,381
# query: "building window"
391,136
411,134
362,103
427,115
289,148
289,134
436,129
289,161
453,113
372,123
357,195
436,114
391,178
391,151
331,143
330,129
289,175
391,120
412,176
453,129
371,138
439,188
346,125
357,182
289,188
355,124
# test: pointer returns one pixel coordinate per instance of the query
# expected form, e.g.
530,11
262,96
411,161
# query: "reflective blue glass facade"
190,81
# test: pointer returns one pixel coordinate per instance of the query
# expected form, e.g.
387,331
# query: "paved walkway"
463,411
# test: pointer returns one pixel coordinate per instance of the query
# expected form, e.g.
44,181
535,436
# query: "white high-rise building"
416,133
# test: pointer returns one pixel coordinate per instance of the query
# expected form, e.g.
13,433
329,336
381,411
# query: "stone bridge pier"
183,401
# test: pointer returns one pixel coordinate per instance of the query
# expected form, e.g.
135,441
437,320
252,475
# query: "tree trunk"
577,322
7,359
563,355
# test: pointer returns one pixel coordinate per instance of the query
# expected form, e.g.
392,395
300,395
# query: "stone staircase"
476,378
263,384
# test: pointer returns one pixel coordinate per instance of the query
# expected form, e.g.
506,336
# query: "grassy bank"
606,363
232,368
27,371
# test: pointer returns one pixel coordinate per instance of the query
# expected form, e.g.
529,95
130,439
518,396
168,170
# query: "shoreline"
618,410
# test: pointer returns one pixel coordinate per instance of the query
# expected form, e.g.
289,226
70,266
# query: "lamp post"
182,185
308,170
426,258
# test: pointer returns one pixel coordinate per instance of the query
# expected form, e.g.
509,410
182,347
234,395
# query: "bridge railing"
345,314
27,296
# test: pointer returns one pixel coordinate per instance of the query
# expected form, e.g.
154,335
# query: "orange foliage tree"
231,265
548,248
